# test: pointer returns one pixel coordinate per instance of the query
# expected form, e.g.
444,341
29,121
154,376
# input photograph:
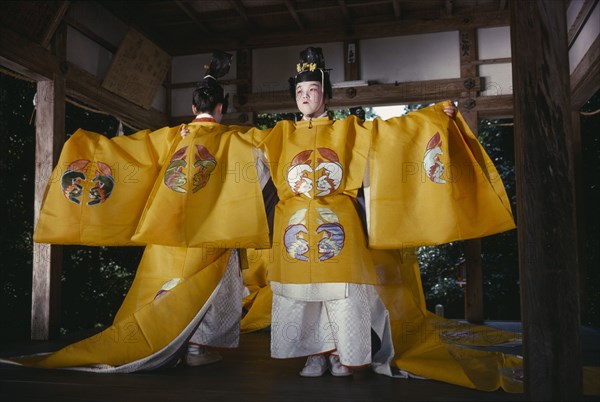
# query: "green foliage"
94,282
17,166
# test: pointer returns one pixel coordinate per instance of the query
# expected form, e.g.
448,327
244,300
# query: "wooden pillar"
548,258
45,292
244,85
579,208
47,261
468,108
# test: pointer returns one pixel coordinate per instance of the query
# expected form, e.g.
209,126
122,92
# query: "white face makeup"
309,99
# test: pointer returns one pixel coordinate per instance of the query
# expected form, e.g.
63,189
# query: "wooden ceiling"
199,26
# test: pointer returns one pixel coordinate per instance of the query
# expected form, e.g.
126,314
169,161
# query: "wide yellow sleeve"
431,182
97,191
207,195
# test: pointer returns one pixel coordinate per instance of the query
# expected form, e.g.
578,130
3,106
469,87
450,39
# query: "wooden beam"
449,7
49,140
493,61
36,62
585,79
580,20
190,12
547,229
83,86
255,40
580,208
345,12
47,261
474,285
239,7
290,6
372,95
397,9
55,21
469,110
27,58
495,107
244,73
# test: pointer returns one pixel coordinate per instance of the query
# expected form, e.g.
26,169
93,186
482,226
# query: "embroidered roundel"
74,177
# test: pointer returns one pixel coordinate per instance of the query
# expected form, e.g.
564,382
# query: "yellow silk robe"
431,182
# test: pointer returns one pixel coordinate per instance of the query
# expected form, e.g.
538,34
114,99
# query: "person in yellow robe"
324,304
182,298
332,286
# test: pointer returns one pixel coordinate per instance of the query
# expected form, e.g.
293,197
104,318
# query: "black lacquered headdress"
311,68
218,67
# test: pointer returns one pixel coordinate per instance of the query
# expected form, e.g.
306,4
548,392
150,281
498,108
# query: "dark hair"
209,92
208,95
311,68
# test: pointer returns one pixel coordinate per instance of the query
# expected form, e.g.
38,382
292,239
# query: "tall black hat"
311,68
218,67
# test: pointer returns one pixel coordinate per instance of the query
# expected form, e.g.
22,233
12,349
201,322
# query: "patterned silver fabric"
220,327
380,323
311,292
302,328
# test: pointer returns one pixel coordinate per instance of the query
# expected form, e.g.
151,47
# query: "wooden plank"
545,206
259,378
372,95
36,62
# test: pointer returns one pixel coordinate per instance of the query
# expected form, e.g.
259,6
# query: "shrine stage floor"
245,374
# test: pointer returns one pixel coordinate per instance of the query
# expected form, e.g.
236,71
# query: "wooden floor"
246,374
